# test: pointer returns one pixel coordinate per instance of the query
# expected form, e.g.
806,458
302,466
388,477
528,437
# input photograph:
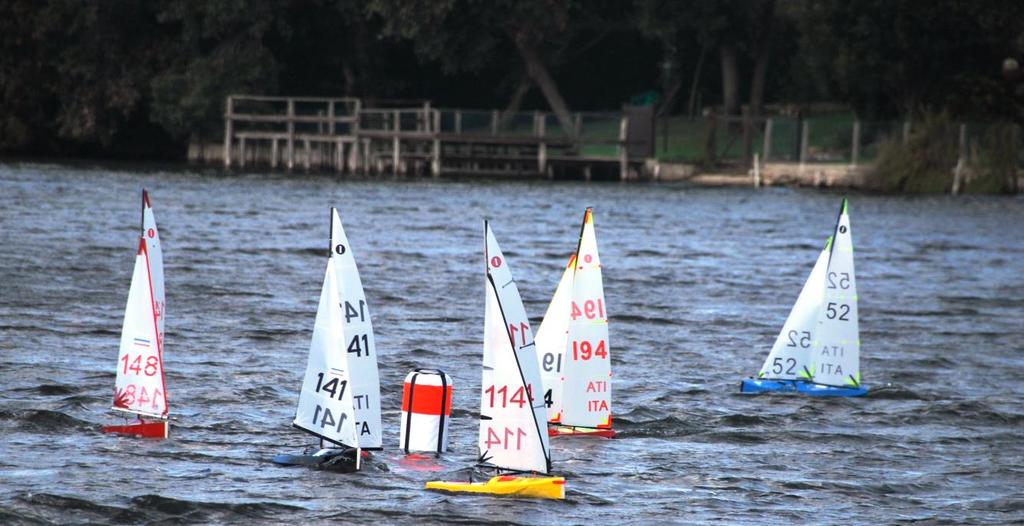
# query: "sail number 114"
506,439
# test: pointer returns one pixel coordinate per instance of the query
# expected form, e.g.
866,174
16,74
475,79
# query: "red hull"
142,430
564,431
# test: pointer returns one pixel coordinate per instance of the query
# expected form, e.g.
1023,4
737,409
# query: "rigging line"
156,325
142,219
533,414
835,234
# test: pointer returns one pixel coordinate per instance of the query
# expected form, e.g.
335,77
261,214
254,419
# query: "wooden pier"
348,135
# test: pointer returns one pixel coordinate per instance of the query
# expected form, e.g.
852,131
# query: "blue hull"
755,386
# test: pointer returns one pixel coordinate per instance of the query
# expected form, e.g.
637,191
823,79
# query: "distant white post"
228,130
757,171
855,154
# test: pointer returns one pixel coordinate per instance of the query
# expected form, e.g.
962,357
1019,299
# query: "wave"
44,420
48,390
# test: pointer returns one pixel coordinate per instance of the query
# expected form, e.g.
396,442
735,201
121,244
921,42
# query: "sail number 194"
592,309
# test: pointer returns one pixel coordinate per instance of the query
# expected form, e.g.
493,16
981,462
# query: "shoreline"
805,175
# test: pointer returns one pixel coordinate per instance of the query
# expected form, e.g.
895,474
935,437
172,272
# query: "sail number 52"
837,309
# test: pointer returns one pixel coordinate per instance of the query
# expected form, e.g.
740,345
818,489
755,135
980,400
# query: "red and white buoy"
426,410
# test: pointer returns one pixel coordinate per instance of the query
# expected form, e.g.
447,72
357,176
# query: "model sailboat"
139,388
513,440
573,348
818,350
340,397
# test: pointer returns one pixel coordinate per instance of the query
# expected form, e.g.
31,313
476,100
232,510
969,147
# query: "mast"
142,215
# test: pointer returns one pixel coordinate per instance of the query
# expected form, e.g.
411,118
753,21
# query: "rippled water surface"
698,282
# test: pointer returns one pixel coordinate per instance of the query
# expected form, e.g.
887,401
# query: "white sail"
156,261
790,358
139,387
836,351
325,402
587,394
552,335
513,433
359,345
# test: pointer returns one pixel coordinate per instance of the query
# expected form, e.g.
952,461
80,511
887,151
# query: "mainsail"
360,347
790,358
156,261
586,390
139,387
325,402
552,336
836,351
513,435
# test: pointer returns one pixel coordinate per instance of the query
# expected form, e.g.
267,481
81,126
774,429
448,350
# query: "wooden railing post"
805,134
855,153
623,150
396,144
435,160
228,131
339,155
330,118
291,133
961,161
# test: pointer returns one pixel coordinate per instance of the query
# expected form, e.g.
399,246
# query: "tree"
464,35
73,74
218,49
893,58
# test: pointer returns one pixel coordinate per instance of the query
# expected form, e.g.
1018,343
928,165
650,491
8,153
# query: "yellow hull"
534,487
